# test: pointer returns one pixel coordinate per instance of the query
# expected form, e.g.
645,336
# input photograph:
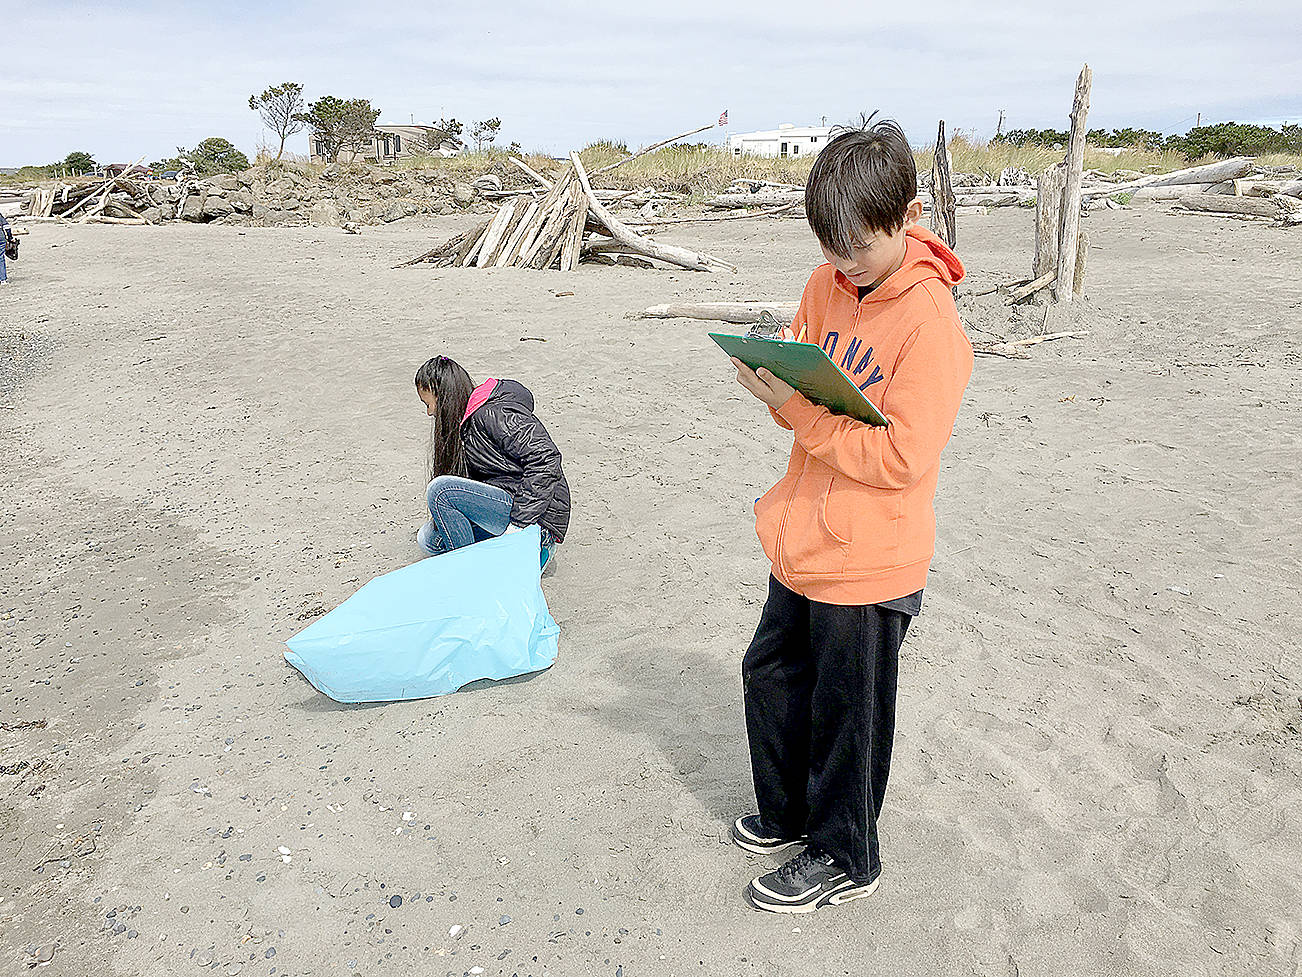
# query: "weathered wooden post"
1082,252
944,221
1048,214
1069,219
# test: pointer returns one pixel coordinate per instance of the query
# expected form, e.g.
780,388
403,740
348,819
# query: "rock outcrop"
291,194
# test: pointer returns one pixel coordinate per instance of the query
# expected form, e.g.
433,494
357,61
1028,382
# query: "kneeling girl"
493,468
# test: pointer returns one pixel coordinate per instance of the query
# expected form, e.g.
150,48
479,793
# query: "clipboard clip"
768,326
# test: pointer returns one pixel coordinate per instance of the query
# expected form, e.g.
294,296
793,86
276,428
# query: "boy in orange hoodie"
850,528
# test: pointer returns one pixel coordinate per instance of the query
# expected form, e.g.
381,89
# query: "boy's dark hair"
863,180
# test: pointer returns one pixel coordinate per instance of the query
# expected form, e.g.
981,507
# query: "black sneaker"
749,834
805,883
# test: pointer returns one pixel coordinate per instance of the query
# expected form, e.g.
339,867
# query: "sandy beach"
210,435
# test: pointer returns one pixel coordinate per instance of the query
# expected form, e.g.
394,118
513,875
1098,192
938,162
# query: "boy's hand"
763,384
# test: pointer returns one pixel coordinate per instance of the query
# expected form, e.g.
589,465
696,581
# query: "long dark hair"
448,381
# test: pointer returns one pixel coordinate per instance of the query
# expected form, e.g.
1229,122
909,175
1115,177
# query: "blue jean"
3,274
462,512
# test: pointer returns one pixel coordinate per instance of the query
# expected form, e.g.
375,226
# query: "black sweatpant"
819,684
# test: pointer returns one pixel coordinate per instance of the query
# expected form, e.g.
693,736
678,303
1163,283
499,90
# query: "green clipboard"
807,368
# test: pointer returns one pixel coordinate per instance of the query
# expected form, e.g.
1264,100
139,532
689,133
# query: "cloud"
141,78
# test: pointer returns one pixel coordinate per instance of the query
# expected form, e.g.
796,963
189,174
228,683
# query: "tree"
448,131
485,132
1237,139
325,116
358,129
341,124
79,162
281,108
175,163
444,132
214,155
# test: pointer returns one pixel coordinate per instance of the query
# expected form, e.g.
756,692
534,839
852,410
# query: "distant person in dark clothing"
8,247
493,468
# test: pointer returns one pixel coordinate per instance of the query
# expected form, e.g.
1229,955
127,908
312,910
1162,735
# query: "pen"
803,327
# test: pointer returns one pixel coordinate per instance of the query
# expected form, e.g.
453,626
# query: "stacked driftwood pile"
566,224
118,200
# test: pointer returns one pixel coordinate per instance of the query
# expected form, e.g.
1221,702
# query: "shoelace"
800,864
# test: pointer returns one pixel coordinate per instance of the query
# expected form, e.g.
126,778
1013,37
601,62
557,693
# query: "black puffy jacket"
507,446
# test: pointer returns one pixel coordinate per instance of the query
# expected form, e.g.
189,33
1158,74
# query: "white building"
785,140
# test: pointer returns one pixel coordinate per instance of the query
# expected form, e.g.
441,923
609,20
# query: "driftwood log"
744,184
546,183
742,215
983,194
1267,188
691,260
1069,218
1021,292
1217,204
650,149
764,198
736,312
1209,174
1173,192
1015,349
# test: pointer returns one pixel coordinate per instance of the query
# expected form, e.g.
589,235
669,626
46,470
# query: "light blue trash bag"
477,612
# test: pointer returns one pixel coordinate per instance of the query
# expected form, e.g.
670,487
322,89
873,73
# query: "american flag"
723,119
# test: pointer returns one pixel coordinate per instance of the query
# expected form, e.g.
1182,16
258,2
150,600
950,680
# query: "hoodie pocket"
808,544
866,520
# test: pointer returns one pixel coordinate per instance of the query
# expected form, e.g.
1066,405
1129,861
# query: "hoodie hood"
925,256
478,397
497,392
513,391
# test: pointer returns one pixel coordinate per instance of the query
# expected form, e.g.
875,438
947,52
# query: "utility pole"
1198,120
999,129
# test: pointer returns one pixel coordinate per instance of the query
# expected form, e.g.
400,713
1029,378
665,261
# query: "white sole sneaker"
755,844
846,890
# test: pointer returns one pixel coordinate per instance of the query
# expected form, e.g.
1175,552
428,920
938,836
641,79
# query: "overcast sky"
123,80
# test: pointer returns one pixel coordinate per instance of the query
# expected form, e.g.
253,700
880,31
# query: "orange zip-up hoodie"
852,522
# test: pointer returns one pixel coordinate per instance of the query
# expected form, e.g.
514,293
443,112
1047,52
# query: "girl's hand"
763,384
